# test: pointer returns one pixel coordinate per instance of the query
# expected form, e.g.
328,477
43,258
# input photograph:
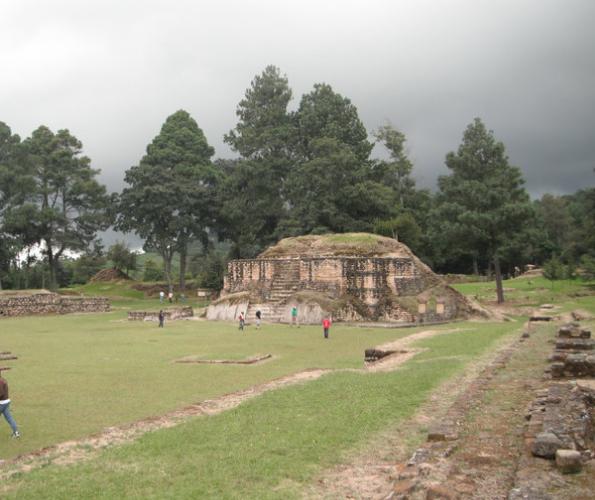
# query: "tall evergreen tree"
396,173
172,192
253,195
332,188
325,114
65,206
12,193
483,201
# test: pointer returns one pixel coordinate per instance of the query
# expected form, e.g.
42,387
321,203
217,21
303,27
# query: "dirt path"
479,437
73,451
372,473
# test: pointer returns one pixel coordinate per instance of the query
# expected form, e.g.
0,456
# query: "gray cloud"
112,71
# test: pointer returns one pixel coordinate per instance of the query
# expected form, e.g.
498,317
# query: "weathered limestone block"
573,330
575,344
568,461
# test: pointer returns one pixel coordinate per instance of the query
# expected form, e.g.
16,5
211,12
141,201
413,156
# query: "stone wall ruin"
49,303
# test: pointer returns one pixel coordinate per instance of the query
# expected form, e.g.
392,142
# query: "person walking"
326,325
258,315
294,315
242,321
170,297
161,296
5,407
161,318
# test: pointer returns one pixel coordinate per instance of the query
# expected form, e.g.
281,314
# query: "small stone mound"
111,274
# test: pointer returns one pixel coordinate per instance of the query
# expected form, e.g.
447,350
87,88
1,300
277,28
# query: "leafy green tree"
403,228
8,142
581,238
253,195
588,267
332,187
88,264
334,192
555,217
172,193
325,114
554,270
396,173
265,130
122,257
250,210
212,272
64,206
152,271
483,201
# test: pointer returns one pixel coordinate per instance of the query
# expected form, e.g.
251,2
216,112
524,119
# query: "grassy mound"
347,244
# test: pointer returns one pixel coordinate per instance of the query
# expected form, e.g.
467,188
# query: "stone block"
568,461
575,344
545,445
439,492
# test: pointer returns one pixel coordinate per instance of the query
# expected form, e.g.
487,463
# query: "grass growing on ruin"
268,447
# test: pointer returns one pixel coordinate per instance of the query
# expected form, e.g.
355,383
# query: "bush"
588,267
152,271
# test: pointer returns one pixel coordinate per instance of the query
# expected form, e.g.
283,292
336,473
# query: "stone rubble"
561,419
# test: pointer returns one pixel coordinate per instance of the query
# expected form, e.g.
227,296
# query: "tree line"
307,171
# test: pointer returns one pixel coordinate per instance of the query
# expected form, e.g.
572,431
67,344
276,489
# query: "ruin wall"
366,278
50,303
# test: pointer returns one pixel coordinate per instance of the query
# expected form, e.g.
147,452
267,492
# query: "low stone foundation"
170,314
573,355
50,303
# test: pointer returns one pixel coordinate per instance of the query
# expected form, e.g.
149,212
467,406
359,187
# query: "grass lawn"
80,373
532,291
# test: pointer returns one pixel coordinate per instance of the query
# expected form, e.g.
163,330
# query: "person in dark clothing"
5,407
161,318
258,317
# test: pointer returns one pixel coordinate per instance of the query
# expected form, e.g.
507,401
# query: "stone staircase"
286,282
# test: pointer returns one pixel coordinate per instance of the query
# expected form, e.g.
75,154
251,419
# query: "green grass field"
529,291
78,374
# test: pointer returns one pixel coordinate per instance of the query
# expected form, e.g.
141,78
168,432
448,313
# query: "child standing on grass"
258,316
242,321
294,315
5,407
326,325
161,318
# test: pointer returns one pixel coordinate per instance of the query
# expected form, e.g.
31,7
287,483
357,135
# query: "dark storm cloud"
112,72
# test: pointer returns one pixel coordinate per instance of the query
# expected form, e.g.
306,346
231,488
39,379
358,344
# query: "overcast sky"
112,71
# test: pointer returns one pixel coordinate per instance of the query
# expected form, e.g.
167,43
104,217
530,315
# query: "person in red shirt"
326,324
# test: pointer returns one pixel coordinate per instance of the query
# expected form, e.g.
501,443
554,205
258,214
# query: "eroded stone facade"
373,287
50,303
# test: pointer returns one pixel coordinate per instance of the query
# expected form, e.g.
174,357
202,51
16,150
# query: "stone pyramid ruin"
352,277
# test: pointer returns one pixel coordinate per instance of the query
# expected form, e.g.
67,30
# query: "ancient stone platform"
338,275
44,302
